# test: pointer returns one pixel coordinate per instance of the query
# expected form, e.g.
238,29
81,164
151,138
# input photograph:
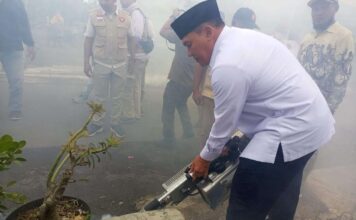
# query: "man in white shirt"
260,89
135,82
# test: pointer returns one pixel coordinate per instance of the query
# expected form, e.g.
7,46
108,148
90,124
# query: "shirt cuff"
209,155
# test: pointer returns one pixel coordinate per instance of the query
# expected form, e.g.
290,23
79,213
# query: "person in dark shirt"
179,86
14,32
245,18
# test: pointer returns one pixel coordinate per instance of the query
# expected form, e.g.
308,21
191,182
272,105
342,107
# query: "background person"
179,86
135,82
56,30
327,53
108,46
15,31
244,18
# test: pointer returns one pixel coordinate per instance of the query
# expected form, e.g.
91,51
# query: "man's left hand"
199,167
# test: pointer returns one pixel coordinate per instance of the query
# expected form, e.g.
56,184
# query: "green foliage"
10,152
71,156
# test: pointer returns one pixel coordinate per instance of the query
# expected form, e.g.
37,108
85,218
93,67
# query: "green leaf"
6,138
22,144
7,146
16,198
18,151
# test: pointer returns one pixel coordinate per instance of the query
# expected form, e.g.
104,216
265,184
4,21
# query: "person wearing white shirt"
260,89
134,88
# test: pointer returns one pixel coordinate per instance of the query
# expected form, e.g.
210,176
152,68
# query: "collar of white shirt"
217,45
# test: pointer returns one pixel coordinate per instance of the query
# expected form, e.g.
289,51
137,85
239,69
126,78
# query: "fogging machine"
213,189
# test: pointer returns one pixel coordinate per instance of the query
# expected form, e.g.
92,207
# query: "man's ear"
208,30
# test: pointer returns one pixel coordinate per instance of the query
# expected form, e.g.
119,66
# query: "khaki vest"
111,32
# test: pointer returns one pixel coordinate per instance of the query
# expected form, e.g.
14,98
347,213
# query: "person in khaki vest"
106,44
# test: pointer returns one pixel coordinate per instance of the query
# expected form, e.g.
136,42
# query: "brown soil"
69,209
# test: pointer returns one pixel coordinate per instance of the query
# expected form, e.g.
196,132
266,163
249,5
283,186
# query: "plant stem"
51,176
58,169
56,186
54,166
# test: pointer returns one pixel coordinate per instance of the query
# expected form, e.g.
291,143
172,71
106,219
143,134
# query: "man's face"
199,46
108,5
126,3
323,13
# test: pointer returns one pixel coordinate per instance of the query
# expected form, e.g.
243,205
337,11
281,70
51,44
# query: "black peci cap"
195,16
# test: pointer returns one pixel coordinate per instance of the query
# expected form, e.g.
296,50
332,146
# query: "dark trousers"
258,186
175,97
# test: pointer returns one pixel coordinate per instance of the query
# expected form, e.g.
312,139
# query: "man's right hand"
88,69
199,168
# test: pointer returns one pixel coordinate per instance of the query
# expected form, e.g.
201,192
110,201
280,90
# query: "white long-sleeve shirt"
137,19
261,89
138,26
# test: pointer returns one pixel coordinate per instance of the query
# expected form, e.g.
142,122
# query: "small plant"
61,173
10,152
